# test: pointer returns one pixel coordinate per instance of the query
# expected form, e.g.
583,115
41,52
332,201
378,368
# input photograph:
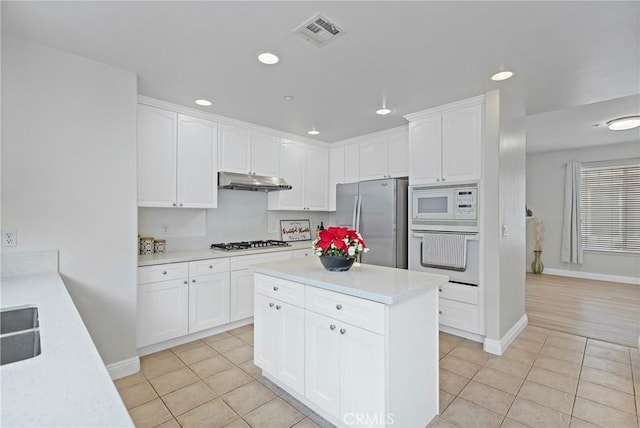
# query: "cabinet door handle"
440,312
164,273
332,327
271,305
338,306
186,282
174,205
444,179
180,204
193,280
437,179
440,290
278,307
210,267
343,331
275,288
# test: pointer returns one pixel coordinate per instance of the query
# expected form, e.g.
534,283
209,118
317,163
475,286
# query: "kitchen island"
360,348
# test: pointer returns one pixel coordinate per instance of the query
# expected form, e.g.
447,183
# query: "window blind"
610,199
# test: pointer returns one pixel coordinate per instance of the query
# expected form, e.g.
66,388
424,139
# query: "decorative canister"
146,245
159,245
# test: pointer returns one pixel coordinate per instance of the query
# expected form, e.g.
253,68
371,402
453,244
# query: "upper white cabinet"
384,156
177,160
446,143
304,167
336,173
244,151
352,163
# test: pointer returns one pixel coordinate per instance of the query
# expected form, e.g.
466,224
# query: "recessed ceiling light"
383,111
288,97
313,131
205,103
624,123
503,75
268,58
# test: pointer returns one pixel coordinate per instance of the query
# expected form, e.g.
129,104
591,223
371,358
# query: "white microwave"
453,207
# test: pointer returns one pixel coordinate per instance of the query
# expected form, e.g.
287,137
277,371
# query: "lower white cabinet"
208,301
163,306
359,362
279,348
344,368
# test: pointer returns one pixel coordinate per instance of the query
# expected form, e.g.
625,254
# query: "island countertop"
67,384
377,283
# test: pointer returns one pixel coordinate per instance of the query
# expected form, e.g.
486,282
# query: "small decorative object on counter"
538,237
159,245
146,245
338,248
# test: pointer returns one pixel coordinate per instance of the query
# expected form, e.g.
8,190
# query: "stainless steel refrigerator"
378,210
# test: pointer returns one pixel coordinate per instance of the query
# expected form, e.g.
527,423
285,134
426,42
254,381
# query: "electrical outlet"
165,229
9,238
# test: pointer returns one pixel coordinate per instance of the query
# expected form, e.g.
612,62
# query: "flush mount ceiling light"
204,103
502,75
383,111
288,97
624,123
268,58
313,131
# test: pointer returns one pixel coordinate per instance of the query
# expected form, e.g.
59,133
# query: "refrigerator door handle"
355,212
356,224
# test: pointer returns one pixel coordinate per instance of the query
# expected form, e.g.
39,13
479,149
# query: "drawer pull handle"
186,282
332,327
193,280
338,306
275,288
278,307
343,331
440,290
440,312
210,266
271,305
164,273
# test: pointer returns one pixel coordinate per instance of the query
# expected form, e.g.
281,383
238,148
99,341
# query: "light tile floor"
545,379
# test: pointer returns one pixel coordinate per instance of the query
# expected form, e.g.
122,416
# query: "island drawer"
207,267
166,272
281,289
459,292
463,316
353,310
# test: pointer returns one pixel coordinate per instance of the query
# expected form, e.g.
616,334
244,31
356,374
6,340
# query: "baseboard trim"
594,276
461,333
124,368
498,347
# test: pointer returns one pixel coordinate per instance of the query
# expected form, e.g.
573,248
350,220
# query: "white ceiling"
574,60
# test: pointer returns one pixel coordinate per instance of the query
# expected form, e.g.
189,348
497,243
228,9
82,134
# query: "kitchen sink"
12,320
19,346
19,334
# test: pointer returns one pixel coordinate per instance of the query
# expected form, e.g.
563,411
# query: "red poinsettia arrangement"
339,241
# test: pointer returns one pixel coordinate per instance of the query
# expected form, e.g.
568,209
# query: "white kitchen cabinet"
385,156
336,174
177,160
279,348
445,144
241,302
352,163
208,294
299,254
305,168
162,305
246,152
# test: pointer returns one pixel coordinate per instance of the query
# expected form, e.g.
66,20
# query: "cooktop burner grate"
248,245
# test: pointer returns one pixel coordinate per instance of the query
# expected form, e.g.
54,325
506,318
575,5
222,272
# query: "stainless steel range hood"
257,183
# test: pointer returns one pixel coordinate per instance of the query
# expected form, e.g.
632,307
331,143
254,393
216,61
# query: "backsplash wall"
240,215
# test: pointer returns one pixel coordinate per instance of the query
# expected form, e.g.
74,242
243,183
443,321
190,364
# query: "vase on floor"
336,263
536,265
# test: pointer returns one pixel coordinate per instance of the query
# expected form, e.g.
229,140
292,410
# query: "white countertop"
206,254
67,384
377,283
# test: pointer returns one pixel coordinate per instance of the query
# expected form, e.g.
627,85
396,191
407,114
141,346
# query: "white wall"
545,195
68,180
241,215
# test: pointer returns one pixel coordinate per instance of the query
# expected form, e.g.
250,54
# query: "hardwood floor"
607,311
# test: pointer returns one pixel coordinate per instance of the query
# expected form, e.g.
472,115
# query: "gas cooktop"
248,245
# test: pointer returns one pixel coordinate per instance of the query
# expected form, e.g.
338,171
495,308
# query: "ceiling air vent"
318,30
